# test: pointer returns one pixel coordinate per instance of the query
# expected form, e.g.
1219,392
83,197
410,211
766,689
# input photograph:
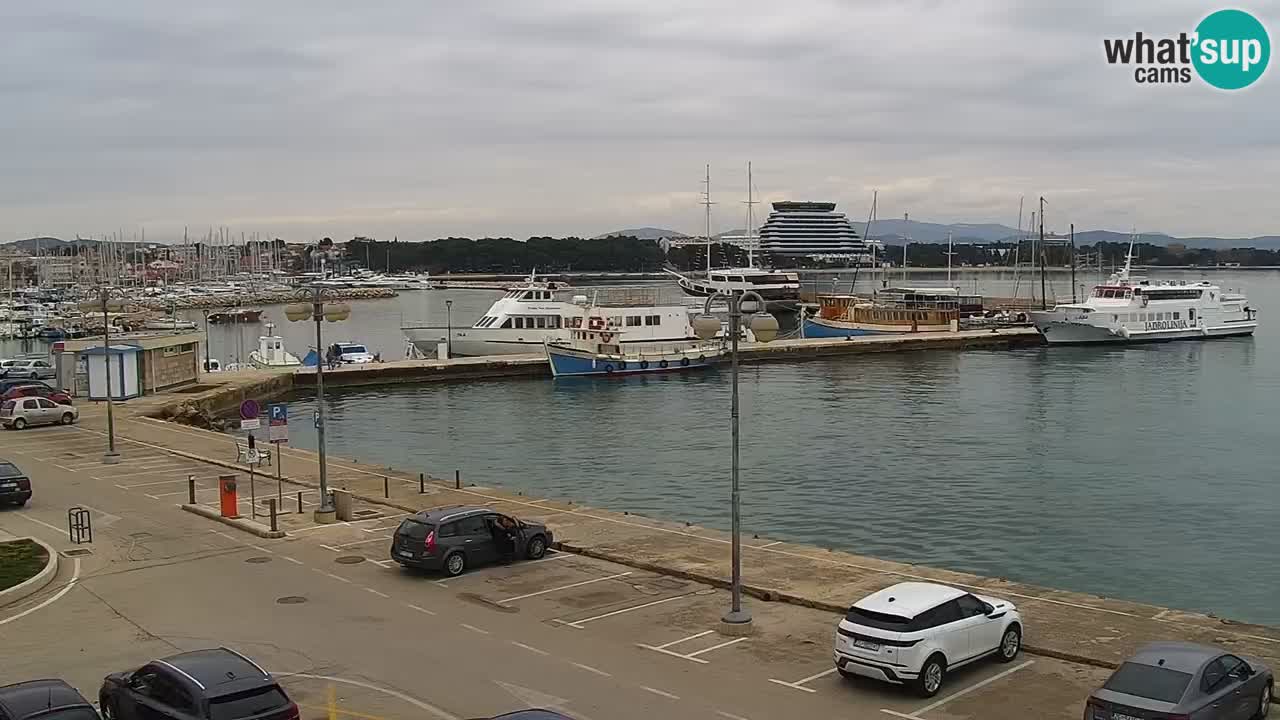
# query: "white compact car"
915,633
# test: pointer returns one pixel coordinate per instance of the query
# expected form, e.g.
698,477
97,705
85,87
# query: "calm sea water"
1145,472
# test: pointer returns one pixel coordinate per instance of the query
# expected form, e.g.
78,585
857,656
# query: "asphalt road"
354,636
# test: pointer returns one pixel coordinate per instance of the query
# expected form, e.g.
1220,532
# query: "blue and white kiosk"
122,362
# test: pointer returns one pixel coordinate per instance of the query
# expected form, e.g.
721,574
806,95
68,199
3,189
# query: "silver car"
22,412
1184,681
34,369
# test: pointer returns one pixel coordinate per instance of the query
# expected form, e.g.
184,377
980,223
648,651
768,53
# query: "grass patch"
20,561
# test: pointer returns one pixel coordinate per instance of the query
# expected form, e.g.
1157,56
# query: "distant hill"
644,233
53,245
891,231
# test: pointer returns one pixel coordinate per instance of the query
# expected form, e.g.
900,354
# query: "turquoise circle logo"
1232,49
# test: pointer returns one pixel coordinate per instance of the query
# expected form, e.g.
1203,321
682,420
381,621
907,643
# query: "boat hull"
822,328
566,362
1058,331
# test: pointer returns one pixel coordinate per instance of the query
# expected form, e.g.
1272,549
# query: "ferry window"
652,319
506,323
615,321
540,322
633,321
556,319
575,322
1115,318
1177,316
520,323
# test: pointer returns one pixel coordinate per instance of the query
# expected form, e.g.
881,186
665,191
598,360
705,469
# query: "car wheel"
931,675
455,564
68,418
1264,703
1010,644
19,423
537,547
108,710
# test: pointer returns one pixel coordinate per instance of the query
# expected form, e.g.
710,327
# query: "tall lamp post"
448,324
109,300
314,307
207,367
765,328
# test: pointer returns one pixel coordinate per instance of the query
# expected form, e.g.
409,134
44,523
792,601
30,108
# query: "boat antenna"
1128,257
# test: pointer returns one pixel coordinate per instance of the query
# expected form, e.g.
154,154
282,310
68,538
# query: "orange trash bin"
227,496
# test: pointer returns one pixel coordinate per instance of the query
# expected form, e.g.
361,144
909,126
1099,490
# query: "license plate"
405,553
867,645
1122,716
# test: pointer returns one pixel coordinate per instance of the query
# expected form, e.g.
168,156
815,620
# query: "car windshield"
353,349
247,704
1149,681
8,469
414,529
870,618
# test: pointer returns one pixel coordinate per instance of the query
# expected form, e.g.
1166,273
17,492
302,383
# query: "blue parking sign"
278,414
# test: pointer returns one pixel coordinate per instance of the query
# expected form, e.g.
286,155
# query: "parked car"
15,486
20,413
915,633
457,537
33,369
215,684
1176,680
33,388
7,383
352,353
44,700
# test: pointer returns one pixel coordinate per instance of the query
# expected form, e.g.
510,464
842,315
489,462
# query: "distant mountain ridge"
892,232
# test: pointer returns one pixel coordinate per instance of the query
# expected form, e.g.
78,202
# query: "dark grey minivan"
460,536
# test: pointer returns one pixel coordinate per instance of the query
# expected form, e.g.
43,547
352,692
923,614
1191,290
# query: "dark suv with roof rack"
44,700
216,684
460,536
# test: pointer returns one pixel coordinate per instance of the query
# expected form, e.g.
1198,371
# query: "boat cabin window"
633,321
615,321
652,319
717,278
573,322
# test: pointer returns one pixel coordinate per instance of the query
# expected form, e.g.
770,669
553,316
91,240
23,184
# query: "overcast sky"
426,118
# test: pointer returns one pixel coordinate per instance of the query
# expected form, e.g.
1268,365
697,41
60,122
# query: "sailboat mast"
866,231
1073,262
1043,299
906,240
751,220
706,201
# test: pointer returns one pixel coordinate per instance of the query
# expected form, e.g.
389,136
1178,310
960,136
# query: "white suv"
916,632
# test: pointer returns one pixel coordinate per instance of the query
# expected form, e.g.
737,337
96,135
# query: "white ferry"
1128,309
527,317
780,290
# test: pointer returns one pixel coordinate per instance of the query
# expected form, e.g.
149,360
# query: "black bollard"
299,502
422,483
191,489
457,479
271,507
386,487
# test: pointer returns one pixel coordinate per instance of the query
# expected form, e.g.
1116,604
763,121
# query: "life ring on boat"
662,363
1145,300
606,337
608,369
684,362
644,364
1022,317
595,323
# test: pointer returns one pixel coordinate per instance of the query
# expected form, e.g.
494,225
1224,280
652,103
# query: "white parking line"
424,610
376,592
590,669
731,716
530,648
344,546
775,542
495,568
25,516
971,688
199,478
799,684
579,623
663,693
727,643
292,560
677,642
345,523
174,471
473,628
564,587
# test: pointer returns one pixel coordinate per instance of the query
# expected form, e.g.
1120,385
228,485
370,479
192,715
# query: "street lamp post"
448,324
207,365
315,307
107,302
765,328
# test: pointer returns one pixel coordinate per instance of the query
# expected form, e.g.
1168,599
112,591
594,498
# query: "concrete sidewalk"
1060,624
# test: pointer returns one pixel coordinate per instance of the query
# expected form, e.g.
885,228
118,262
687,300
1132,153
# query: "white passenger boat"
526,317
271,352
1128,309
601,349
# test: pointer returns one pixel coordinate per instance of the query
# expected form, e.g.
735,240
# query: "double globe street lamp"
313,306
765,329
109,300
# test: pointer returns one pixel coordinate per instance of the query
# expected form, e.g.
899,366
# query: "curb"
771,595
239,524
37,582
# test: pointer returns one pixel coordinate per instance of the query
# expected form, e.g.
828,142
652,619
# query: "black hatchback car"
216,684
44,700
460,536
15,486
